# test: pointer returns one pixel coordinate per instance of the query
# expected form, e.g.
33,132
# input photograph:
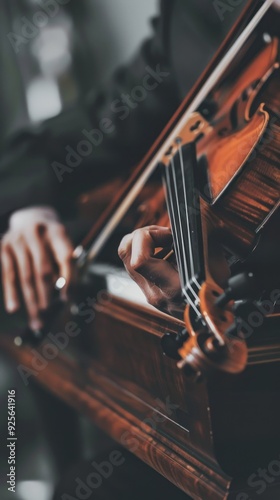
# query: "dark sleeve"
107,133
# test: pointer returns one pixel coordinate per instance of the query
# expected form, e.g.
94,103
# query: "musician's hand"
158,279
34,251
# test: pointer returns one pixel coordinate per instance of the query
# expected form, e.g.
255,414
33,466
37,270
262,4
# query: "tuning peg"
170,344
195,376
241,286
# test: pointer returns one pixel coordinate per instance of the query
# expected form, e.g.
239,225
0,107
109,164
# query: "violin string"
187,284
170,207
188,257
177,206
188,219
188,288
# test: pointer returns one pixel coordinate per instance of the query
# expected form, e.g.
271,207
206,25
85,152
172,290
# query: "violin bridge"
196,127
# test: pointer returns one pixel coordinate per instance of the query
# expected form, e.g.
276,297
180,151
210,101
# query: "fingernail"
60,283
11,307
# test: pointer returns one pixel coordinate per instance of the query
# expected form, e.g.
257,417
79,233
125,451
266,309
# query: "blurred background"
66,51
47,66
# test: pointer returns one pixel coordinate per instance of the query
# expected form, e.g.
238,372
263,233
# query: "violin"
236,153
220,156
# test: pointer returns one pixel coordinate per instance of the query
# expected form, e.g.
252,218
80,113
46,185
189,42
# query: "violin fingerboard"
180,179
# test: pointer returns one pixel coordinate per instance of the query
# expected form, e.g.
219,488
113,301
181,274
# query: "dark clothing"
41,166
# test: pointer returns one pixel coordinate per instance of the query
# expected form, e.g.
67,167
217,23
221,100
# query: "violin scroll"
208,348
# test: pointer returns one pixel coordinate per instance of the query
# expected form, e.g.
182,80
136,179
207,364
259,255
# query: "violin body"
243,162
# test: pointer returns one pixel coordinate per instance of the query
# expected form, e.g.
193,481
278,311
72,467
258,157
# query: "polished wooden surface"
206,437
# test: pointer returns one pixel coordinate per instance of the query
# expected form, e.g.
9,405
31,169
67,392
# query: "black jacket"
112,129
